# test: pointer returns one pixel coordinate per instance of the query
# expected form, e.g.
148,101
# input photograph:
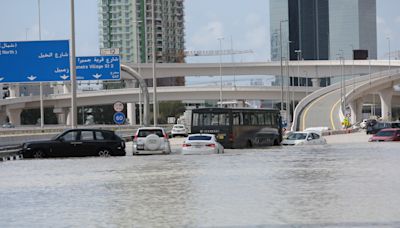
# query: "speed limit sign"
118,106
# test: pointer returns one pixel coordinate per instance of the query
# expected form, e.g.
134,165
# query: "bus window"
261,119
268,119
195,119
254,120
224,119
237,118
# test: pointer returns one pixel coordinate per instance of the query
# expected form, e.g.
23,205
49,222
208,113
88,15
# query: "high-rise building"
323,29
127,25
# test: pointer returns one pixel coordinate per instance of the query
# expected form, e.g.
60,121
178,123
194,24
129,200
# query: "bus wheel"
249,144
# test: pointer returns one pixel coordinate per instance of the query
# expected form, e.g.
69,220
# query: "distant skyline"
205,21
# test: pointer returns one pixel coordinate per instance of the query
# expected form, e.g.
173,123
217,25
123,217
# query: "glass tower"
321,29
127,25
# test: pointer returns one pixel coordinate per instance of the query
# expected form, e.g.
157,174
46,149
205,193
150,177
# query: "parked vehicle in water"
384,135
239,127
77,143
373,128
202,144
151,140
179,129
303,138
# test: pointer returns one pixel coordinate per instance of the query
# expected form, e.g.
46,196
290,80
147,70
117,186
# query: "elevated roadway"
323,107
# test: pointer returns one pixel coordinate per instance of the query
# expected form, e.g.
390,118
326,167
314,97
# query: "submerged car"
77,143
202,144
303,138
385,135
151,140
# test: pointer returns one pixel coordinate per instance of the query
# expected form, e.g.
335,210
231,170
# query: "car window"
199,137
87,135
385,133
108,135
178,126
146,132
70,136
99,135
315,136
297,136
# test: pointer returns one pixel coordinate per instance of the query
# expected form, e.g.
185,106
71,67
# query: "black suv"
77,143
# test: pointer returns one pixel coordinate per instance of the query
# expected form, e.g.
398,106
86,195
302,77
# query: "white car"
151,140
179,129
303,138
202,144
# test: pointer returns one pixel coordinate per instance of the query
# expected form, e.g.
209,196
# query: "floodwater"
347,185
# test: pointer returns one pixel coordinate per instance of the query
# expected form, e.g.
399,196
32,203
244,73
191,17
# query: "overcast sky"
246,22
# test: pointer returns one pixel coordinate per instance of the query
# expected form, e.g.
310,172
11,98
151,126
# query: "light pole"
138,60
220,71
288,84
342,81
73,69
298,52
40,84
352,66
388,39
281,59
155,104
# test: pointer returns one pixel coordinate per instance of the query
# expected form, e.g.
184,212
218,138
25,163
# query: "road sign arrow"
97,76
31,77
1,79
64,77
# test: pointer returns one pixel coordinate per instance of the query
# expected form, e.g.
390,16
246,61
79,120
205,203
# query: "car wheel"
38,154
104,153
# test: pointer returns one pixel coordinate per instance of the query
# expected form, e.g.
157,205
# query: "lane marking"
308,108
333,108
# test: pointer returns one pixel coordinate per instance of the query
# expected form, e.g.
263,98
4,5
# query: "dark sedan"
77,143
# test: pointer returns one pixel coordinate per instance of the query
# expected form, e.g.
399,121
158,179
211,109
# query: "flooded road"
347,185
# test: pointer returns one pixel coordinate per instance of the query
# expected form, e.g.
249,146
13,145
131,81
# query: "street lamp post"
40,84
155,104
388,38
281,59
220,71
288,84
73,69
298,52
138,62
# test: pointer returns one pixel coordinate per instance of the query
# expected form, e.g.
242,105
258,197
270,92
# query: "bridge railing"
321,92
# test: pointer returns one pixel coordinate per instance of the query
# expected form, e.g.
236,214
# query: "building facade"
127,25
322,29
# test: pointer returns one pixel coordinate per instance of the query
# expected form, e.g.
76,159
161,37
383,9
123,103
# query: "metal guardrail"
10,153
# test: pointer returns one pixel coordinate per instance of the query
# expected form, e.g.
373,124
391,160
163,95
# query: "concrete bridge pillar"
131,113
356,110
61,115
69,116
315,82
67,88
14,90
130,83
386,103
3,116
14,115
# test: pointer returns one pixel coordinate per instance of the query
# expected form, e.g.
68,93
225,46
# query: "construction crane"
217,52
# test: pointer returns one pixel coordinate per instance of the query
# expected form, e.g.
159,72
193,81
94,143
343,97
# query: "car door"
86,145
64,145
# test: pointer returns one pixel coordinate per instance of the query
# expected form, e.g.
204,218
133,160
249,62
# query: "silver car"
151,140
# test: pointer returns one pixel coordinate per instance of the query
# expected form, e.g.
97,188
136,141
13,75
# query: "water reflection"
337,186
